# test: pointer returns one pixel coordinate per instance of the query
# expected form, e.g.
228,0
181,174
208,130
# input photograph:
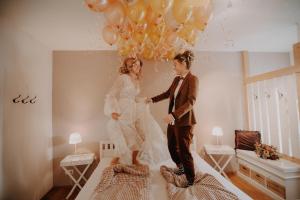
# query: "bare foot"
115,161
137,163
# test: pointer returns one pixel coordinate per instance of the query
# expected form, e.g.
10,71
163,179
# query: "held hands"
168,119
148,100
115,116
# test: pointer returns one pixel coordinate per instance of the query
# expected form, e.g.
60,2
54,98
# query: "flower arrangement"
266,151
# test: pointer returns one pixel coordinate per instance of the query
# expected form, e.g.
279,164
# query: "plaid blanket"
123,182
206,186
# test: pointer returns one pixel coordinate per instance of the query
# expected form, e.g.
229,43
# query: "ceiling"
253,25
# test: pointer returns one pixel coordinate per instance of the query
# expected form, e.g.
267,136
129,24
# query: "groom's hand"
148,100
168,119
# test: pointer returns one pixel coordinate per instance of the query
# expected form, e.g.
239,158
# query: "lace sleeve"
111,104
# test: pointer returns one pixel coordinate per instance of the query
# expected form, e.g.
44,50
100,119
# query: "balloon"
139,38
161,51
109,35
181,11
123,48
115,14
201,17
171,37
197,3
155,33
97,5
153,17
169,55
128,47
125,31
129,2
147,53
160,6
154,29
171,22
137,11
188,33
140,28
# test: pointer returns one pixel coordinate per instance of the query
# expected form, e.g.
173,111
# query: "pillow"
246,139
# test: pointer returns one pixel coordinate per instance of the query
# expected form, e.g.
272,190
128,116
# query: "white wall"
298,32
1,126
262,62
27,128
220,101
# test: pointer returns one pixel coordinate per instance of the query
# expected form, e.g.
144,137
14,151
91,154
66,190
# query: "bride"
138,137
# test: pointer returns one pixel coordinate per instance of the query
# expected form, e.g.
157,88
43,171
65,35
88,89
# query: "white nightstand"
224,151
73,161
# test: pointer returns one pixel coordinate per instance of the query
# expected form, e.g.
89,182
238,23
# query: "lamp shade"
217,131
74,138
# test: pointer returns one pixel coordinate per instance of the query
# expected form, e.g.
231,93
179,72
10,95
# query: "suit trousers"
179,140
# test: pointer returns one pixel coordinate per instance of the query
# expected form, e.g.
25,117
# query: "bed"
158,184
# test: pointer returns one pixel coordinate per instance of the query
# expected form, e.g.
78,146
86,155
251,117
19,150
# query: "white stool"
223,150
74,161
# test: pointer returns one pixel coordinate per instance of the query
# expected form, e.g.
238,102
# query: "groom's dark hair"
187,57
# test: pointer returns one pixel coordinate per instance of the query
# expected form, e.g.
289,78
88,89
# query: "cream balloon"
109,35
171,37
153,17
147,53
115,14
125,30
181,11
197,3
160,6
137,11
201,16
129,2
97,5
171,22
188,33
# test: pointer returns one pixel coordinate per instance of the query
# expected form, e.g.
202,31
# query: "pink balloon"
115,14
110,35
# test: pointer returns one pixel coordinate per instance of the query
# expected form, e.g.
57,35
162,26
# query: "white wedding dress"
136,129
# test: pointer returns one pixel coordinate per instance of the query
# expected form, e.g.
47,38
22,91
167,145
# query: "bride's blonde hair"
128,64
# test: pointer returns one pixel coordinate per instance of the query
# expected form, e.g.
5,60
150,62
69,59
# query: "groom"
181,119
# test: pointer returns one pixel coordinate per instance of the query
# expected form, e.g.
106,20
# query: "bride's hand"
139,99
115,116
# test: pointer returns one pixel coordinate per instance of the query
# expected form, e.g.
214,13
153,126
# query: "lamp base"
218,143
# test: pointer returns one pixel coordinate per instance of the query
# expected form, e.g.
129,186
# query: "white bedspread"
158,184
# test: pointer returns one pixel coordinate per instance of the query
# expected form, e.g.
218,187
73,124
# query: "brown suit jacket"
185,99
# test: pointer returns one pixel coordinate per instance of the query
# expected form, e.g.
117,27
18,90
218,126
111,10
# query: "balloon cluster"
152,29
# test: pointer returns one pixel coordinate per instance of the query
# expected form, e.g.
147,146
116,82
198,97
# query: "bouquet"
266,151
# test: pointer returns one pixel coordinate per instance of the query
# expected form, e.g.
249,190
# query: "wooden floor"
247,188
59,193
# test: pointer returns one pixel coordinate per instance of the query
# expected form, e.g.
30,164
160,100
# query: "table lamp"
217,131
75,138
